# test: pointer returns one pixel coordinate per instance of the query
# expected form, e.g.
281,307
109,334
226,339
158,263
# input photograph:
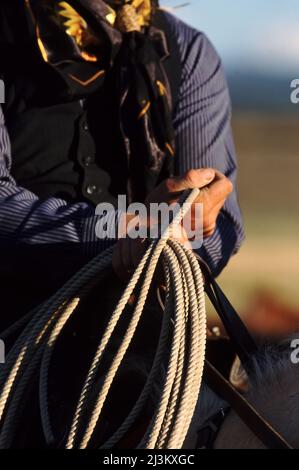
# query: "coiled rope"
184,321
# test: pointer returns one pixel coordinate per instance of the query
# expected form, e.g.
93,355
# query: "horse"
273,390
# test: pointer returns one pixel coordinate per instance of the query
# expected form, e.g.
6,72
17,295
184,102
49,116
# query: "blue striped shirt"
203,139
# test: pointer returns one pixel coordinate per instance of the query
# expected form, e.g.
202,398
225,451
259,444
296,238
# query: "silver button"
91,189
87,160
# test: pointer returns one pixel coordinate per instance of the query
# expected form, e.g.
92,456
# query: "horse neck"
276,398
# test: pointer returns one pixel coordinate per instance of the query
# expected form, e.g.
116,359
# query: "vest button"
85,126
92,188
87,161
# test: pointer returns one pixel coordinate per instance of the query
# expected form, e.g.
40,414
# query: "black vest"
60,148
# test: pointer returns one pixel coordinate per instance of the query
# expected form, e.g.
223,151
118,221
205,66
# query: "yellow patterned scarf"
131,16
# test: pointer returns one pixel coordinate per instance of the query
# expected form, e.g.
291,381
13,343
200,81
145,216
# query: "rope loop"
184,322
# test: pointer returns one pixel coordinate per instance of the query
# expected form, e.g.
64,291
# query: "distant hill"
252,91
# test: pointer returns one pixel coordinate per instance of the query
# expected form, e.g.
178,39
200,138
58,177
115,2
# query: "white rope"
183,327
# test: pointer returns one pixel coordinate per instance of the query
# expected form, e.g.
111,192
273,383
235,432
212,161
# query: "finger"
170,189
218,191
210,219
192,179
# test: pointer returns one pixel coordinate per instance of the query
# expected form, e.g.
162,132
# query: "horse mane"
270,363
274,392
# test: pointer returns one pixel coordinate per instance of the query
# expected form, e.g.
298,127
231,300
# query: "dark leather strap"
243,342
253,420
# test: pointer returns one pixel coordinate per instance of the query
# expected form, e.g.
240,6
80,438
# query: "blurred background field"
259,46
268,151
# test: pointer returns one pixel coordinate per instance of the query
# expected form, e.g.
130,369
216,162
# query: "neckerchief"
88,42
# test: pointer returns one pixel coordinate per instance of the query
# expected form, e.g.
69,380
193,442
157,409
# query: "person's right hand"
215,188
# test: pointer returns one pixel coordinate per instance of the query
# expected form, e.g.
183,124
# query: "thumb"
192,179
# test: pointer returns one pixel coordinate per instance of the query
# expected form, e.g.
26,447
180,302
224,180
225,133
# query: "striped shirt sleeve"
25,220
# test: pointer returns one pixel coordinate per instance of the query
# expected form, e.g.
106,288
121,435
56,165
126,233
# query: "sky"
260,34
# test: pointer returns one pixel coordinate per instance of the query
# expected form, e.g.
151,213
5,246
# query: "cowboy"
104,98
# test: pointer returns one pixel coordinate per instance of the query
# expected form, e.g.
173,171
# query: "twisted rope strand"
183,325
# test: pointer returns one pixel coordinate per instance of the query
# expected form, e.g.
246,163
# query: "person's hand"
215,189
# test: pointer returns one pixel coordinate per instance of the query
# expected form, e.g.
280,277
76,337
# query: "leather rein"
245,347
